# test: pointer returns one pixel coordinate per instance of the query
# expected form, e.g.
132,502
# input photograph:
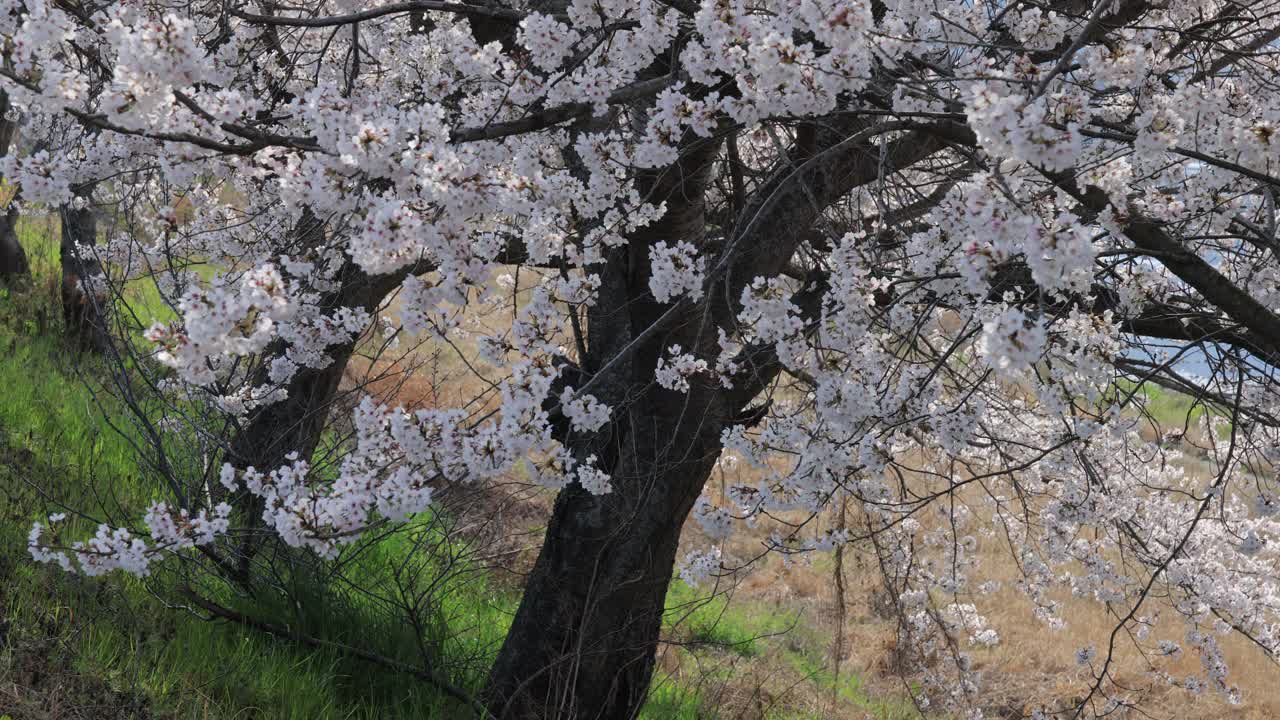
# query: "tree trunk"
294,424
85,301
297,423
13,260
583,642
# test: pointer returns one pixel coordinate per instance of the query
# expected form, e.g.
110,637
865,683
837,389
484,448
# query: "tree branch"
465,9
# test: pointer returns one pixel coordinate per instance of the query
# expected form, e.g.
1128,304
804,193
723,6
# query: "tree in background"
13,260
85,304
85,300
913,256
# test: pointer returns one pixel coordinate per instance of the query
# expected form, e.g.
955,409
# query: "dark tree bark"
583,642
85,301
13,259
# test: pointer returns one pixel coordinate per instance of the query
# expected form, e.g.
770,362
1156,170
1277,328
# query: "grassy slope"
87,643
81,642
116,647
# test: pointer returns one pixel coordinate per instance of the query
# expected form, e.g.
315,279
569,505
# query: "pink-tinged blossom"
1011,340
585,412
674,370
699,566
676,271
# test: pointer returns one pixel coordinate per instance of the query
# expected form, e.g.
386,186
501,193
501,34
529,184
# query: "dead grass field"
1031,666
788,673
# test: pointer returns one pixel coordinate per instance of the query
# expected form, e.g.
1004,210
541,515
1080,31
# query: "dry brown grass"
1032,665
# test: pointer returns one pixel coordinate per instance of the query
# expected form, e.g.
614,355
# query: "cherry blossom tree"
918,257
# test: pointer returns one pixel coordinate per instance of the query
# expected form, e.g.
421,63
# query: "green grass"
1170,410
1167,408
121,631
711,619
125,634
705,621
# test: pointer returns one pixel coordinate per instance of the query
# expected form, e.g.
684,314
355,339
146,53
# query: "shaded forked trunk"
582,644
